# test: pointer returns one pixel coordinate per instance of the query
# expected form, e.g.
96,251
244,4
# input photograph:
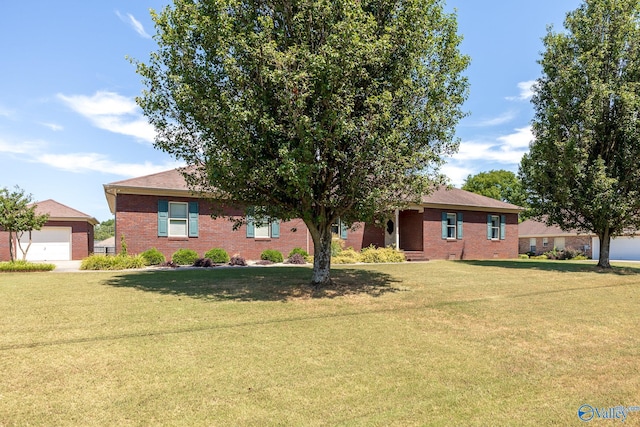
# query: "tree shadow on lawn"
255,284
557,266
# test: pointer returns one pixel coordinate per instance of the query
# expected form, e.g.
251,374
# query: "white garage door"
48,244
622,248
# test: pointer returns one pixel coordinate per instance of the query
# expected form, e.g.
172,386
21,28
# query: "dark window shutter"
459,225
503,227
275,228
444,225
343,230
193,219
163,218
251,228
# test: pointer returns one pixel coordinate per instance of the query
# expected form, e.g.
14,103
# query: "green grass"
441,343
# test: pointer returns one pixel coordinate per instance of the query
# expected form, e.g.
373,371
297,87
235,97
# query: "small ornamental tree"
18,216
321,110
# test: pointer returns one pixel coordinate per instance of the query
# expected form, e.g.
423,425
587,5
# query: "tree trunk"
11,246
605,244
321,257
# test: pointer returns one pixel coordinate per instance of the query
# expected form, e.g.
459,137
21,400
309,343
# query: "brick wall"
137,220
474,244
572,242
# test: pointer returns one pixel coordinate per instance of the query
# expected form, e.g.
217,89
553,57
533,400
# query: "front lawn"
437,343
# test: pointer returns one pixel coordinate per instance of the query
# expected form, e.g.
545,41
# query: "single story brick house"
67,235
160,211
537,238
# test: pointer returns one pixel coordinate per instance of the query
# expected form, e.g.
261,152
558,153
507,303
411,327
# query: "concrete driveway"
66,266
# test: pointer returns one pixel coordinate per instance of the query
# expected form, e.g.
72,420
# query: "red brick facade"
137,221
579,243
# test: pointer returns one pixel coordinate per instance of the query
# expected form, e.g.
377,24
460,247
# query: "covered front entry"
410,230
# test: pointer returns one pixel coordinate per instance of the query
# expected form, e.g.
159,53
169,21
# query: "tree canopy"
498,184
18,215
104,230
582,171
320,110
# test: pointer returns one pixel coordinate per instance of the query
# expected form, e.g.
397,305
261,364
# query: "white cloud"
26,147
6,112
54,127
457,174
134,23
95,162
526,91
495,121
518,140
112,112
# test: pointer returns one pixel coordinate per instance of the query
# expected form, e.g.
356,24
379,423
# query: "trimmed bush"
346,256
203,262
297,259
184,256
17,266
298,251
217,255
237,260
336,247
381,255
271,255
153,257
118,262
523,256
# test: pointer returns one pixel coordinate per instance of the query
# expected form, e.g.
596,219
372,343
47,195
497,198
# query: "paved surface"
66,266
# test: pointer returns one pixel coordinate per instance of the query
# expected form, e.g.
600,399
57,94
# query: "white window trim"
453,226
495,227
185,220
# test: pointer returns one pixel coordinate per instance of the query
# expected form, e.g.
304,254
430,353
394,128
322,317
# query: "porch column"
397,221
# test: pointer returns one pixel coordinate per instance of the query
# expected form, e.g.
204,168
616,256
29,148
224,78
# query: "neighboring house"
160,211
67,235
106,246
537,238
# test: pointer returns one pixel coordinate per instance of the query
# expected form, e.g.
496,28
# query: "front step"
415,256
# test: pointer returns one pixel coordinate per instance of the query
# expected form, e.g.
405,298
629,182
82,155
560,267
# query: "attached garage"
622,248
48,244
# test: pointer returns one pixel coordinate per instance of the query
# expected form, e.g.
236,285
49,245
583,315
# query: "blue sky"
69,122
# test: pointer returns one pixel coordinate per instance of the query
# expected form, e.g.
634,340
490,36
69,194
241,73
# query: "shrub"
346,256
217,255
336,247
184,256
153,257
296,259
203,262
580,257
381,255
237,260
17,266
298,251
118,262
272,255
523,256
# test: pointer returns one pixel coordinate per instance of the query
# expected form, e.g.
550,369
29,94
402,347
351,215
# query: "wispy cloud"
112,112
54,127
95,162
6,112
133,23
503,118
25,147
526,91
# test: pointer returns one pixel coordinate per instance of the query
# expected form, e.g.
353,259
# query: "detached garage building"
67,235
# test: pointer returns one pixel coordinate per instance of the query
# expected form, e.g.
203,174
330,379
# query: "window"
451,225
177,219
545,242
558,243
262,228
339,229
496,227
532,244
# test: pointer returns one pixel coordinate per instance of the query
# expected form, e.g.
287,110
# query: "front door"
411,223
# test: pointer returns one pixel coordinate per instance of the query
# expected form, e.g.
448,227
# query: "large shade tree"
316,109
498,184
582,171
